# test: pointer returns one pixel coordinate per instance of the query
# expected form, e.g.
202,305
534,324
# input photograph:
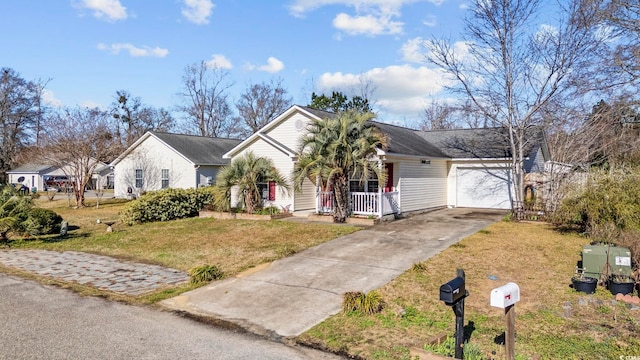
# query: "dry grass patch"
552,321
231,245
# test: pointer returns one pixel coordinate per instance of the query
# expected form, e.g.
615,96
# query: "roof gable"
307,111
199,150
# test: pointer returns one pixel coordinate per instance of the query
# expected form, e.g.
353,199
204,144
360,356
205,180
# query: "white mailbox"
505,296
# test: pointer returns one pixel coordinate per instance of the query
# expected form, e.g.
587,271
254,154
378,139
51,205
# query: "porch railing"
363,203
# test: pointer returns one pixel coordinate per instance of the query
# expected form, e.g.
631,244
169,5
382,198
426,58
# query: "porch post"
318,195
379,191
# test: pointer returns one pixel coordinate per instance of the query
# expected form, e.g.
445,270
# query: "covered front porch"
375,204
366,198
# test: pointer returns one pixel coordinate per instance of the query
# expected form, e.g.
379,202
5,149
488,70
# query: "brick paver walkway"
102,272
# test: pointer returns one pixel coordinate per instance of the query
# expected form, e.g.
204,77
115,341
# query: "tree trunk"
341,210
251,201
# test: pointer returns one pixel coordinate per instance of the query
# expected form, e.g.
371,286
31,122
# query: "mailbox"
453,291
505,296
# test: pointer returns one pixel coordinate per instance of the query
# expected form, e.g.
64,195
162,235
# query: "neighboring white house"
32,175
36,175
161,160
459,168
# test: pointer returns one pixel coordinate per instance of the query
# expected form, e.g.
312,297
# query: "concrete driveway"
291,295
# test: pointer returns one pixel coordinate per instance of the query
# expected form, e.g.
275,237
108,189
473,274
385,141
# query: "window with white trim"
139,179
370,185
165,178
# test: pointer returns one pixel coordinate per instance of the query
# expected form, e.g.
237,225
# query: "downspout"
197,168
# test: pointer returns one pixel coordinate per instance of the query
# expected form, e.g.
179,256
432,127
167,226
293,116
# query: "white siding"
152,156
422,186
306,199
287,133
282,162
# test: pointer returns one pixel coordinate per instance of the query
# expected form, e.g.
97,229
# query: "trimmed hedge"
165,205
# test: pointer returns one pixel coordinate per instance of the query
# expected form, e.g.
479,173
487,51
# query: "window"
267,191
139,181
370,185
165,178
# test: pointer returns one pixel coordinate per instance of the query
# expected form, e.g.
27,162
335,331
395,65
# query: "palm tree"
336,150
246,173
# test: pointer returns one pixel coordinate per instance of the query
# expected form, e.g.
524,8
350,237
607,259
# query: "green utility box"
594,260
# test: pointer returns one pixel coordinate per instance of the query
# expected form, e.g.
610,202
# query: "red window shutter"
272,190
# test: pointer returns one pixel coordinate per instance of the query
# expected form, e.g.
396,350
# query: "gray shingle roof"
31,168
484,143
480,143
322,114
401,140
406,141
199,149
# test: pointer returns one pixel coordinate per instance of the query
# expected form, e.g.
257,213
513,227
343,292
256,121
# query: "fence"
363,203
529,211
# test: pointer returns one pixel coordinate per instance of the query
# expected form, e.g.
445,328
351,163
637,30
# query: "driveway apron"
291,295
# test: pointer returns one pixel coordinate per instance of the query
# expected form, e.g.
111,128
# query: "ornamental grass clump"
204,274
357,301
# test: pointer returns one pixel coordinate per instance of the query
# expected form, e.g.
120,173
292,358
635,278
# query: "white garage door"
489,188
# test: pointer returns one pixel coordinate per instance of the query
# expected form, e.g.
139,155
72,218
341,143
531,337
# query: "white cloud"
413,50
366,25
112,10
133,50
371,17
400,90
219,62
198,11
299,8
273,65
430,21
49,98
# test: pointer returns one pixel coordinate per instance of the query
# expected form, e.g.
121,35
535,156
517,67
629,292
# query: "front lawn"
231,245
553,321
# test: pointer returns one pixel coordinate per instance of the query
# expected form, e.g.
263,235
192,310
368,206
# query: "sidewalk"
291,295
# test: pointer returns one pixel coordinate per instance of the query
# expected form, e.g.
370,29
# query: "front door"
388,187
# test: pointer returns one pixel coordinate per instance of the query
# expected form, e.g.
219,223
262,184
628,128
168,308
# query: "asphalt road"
45,322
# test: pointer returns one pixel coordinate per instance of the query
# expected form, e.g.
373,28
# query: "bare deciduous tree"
439,116
77,140
511,66
205,102
623,18
137,118
20,114
261,103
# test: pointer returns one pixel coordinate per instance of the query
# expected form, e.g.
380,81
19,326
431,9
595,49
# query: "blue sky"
89,49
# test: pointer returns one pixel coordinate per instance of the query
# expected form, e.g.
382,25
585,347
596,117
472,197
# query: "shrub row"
165,205
606,208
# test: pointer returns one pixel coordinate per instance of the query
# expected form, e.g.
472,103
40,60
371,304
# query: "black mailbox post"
453,294
452,291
